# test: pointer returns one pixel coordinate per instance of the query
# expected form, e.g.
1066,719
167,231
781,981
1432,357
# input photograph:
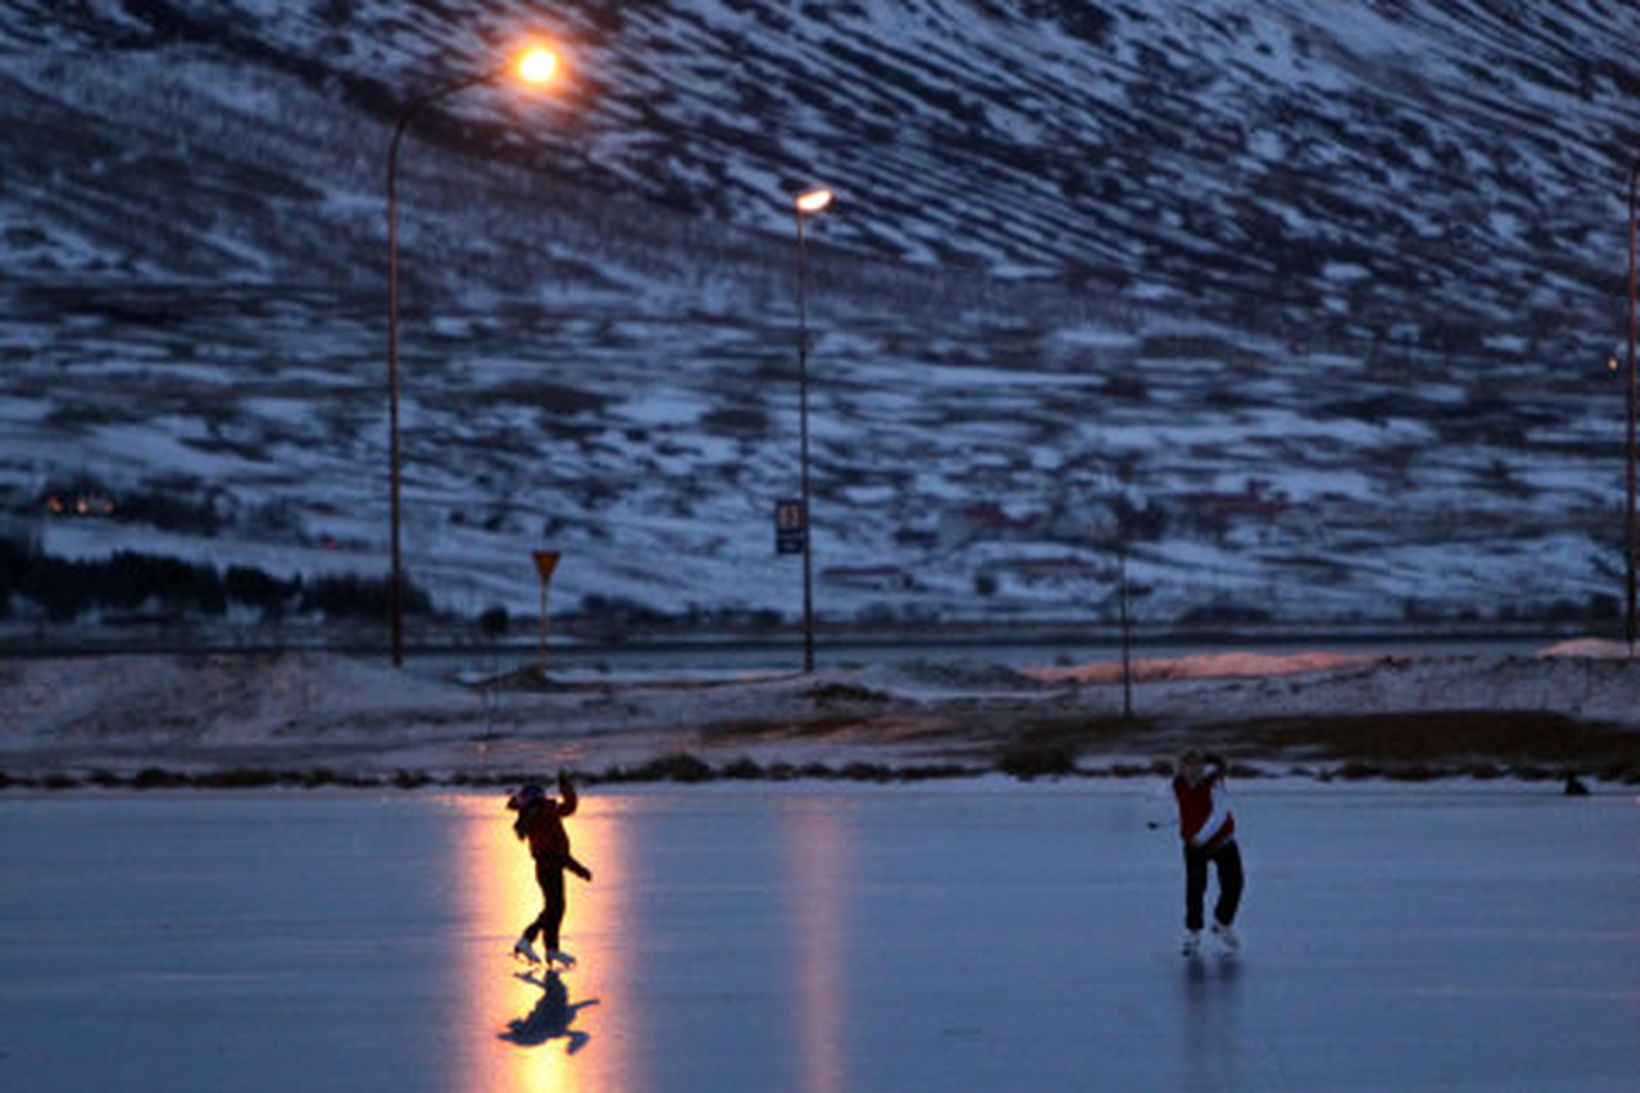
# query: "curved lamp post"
808,204
536,65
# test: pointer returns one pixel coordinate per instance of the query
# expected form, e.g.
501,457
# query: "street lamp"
535,65
1629,452
808,204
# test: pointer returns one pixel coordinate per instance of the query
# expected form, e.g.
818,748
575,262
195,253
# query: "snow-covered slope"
1312,302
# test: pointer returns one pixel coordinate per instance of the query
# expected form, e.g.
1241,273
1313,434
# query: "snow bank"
296,710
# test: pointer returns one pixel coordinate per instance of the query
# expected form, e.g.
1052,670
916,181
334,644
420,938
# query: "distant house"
78,503
875,578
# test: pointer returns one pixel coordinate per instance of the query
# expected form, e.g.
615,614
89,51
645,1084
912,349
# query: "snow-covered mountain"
1310,303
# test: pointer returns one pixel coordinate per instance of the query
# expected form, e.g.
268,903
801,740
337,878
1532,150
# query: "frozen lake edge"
308,719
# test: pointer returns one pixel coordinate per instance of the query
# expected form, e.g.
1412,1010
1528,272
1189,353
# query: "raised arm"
567,799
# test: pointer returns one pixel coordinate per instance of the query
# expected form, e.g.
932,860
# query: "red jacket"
543,825
1204,811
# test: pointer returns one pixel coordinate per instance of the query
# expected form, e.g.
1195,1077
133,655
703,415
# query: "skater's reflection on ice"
1210,997
552,1016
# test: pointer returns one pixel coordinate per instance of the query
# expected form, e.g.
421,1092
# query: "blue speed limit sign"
788,526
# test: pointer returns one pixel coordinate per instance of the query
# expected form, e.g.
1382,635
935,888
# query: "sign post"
791,536
546,561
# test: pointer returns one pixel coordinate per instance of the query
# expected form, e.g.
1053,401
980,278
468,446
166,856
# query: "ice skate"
560,958
524,951
1192,943
1226,937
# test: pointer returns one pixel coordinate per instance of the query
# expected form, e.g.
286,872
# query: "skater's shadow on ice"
552,1016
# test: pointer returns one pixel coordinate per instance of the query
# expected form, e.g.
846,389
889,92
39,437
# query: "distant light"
814,201
1612,364
537,65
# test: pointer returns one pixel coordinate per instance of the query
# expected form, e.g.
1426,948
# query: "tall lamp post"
536,65
808,204
1629,452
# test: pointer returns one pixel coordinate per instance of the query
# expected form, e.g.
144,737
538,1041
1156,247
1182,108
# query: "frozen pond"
965,936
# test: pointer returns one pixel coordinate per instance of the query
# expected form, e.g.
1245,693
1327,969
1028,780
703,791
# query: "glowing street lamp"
808,204
814,201
535,66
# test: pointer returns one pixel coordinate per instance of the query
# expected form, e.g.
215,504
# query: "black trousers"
550,876
1227,860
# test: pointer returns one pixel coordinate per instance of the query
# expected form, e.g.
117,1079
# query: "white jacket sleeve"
1215,819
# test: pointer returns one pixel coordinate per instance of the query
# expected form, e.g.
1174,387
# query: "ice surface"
974,936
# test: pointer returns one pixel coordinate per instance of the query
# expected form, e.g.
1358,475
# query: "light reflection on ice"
545,1031
818,870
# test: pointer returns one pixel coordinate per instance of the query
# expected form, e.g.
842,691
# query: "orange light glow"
814,201
570,1033
537,65
817,844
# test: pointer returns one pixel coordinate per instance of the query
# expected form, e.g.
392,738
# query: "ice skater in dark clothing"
1209,833
541,821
